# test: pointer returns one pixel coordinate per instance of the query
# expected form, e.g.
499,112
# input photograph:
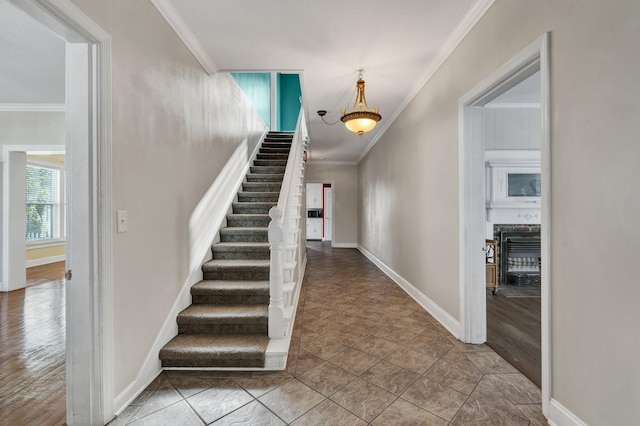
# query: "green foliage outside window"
41,195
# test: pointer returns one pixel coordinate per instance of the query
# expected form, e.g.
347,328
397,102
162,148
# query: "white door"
83,325
328,214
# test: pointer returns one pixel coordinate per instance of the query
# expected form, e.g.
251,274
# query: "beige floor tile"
328,413
517,388
189,385
363,399
260,383
307,361
253,413
403,413
479,412
488,391
434,397
164,396
354,361
533,412
449,375
215,403
177,414
490,362
390,377
291,400
415,361
326,379
376,346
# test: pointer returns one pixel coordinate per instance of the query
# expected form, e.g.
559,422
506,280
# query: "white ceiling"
398,44
32,60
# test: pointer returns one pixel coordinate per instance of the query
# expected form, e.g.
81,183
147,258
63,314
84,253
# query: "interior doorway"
89,370
473,198
320,222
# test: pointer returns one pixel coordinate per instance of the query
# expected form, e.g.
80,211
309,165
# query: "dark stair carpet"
227,323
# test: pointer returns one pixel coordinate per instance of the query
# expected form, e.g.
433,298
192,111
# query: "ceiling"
398,45
32,58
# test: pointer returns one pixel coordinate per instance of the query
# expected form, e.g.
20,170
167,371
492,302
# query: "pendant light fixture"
360,119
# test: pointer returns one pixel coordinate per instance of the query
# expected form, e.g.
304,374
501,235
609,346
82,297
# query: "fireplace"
519,257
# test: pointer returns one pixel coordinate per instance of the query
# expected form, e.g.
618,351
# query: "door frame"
472,211
89,322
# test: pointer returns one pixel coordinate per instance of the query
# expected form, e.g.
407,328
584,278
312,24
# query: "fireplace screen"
520,258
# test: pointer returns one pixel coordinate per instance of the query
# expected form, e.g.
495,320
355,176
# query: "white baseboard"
443,317
45,261
559,415
344,245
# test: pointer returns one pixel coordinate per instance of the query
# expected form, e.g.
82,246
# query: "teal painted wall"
288,101
257,87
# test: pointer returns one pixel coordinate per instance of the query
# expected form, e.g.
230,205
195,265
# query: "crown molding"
462,29
32,107
173,18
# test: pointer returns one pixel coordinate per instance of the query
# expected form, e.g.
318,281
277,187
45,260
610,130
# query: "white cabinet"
328,209
314,229
314,195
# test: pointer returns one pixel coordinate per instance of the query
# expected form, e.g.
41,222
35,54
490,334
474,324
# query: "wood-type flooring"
32,350
513,331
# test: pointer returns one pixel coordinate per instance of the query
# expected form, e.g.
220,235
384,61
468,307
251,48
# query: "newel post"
276,275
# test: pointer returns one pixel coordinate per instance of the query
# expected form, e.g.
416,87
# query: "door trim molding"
471,198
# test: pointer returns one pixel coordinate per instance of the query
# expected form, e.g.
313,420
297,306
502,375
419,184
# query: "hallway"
363,352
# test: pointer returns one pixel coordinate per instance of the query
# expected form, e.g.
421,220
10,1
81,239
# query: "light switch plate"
122,220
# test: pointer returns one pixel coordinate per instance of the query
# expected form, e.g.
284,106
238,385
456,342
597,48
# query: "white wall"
174,129
32,128
345,198
408,190
13,242
511,128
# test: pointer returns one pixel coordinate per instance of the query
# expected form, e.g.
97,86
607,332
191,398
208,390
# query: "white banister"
285,233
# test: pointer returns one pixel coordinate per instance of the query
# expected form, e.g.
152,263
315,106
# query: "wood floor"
513,331
32,350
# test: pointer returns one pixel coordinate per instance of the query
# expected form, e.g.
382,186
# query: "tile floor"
363,352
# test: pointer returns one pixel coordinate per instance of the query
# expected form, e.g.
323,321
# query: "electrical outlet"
122,220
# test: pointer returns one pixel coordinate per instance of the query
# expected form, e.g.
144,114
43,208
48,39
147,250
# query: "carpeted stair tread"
265,177
261,186
224,319
270,163
272,156
248,207
231,245
235,263
203,350
229,292
224,314
258,196
248,220
241,250
214,287
244,234
267,169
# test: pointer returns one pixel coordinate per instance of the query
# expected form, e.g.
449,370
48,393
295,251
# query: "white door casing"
472,199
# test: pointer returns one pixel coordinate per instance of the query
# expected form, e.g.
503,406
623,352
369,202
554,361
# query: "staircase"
227,323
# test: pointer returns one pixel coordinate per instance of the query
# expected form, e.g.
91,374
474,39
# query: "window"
44,204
